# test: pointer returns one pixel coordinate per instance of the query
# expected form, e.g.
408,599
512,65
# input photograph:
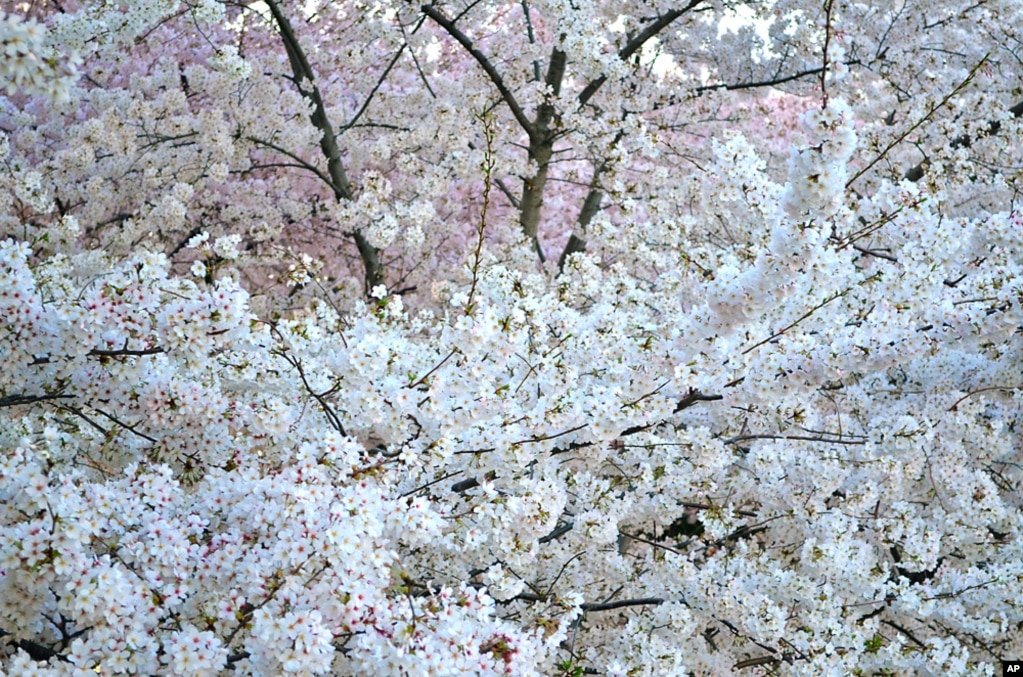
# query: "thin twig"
927,116
802,317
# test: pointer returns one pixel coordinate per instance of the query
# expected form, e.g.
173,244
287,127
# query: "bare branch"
532,38
376,87
35,650
544,438
17,400
558,532
427,375
1004,389
126,352
875,253
770,82
114,419
755,662
799,438
597,606
465,485
694,396
591,205
708,506
507,193
622,603
905,632
308,166
321,398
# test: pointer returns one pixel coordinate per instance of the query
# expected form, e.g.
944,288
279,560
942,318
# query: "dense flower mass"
510,338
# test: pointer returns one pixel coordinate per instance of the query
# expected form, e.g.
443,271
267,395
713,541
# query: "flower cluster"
30,62
818,170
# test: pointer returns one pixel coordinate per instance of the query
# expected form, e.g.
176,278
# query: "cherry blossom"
509,338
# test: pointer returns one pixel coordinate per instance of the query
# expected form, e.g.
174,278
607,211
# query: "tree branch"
16,400
802,317
541,149
635,44
114,419
484,63
798,438
769,82
308,166
622,603
532,38
303,71
927,116
694,396
35,650
591,205
916,173
756,662
328,139
376,87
